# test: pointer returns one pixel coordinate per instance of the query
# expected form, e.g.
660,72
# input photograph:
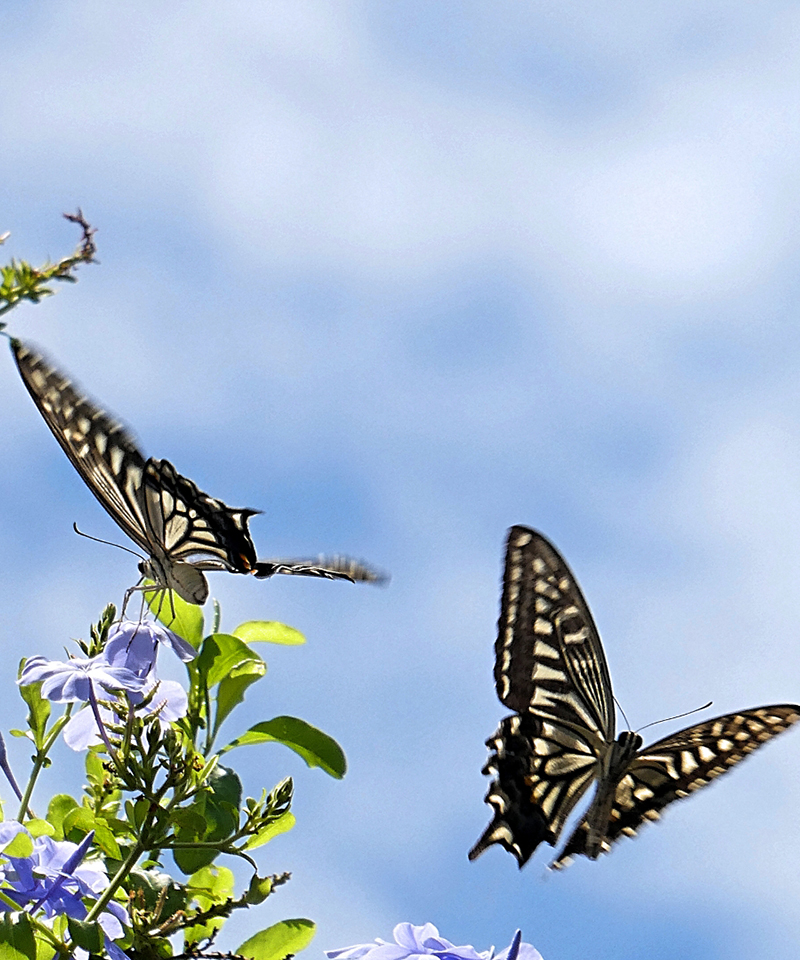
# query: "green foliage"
314,746
278,941
268,631
157,790
20,281
16,937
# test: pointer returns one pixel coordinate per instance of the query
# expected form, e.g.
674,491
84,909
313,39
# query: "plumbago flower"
127,664
419,941
54,880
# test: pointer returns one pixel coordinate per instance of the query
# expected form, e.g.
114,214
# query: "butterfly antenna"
624,715
677,716
108,543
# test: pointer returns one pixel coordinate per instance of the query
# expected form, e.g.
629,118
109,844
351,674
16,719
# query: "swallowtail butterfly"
551,670
182,530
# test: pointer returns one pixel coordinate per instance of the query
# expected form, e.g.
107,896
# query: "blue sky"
402,275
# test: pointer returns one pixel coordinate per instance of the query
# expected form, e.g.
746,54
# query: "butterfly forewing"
548,655
100,449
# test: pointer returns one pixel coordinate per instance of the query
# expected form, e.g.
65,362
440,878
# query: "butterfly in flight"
182,530
551,670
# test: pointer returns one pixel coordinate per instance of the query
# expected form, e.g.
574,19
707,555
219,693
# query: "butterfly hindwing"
194,526
330,568
541,771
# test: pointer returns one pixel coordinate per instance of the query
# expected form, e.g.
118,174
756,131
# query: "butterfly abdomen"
598,817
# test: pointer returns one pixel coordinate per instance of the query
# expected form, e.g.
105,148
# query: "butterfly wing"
676,766
193,527
548,655
331,568
541,771
550,668
100,449
183,530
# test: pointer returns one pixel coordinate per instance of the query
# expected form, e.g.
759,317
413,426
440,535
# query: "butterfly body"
182,531
551,669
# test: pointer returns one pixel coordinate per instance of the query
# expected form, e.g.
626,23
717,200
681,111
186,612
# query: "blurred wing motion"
550,668
182,530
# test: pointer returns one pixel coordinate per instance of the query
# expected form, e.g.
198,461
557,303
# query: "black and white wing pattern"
550,668
182,530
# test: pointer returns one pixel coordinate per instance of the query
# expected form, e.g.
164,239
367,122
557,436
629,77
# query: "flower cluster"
412,942
127,664
54,879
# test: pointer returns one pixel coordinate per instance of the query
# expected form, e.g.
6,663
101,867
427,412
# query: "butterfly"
182,530
551,670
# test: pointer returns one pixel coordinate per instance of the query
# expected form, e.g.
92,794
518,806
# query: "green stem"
119,877
39,762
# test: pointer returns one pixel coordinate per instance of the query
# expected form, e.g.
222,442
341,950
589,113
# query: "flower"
170,702
71,680
55,879
133,644
127,663
418,941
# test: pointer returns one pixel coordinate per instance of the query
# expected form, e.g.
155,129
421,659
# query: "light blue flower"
412,942
170,702
71,680
133,644
55,879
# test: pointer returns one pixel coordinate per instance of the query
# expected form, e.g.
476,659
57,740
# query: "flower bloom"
418,941
55,879
127,664
71,680
133,644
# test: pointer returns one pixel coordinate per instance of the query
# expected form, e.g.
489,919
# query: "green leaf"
104,839
16,937
57,809
259,889
230,694
314,746
274,943
224,655
38,710
40,828
268,631
86,935
279,825
209,887
20,846
187,620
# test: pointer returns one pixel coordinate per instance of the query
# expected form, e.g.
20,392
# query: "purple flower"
133,644
417,942
55,879
169,702
71,680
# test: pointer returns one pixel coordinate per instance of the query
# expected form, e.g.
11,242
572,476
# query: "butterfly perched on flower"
182,530
551,670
